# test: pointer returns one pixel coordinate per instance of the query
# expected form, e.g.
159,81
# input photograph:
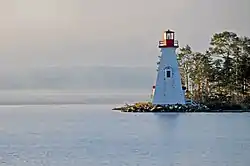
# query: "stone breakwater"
149,107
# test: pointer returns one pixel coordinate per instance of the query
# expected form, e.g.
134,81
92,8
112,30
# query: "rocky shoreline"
178,108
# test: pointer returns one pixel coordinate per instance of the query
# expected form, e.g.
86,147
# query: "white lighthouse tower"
168,88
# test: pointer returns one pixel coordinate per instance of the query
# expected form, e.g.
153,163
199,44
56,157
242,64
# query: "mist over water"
35,97
76,85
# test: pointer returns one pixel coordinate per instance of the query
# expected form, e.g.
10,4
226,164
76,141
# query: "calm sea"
94,135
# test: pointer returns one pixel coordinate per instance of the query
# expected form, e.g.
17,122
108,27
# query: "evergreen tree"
222,73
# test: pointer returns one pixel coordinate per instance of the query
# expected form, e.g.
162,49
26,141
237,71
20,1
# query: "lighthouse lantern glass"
169,36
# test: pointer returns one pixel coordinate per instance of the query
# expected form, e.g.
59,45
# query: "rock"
149,107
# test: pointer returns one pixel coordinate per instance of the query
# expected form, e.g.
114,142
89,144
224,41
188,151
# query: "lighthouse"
168,88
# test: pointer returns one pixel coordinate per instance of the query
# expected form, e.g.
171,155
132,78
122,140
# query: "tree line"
221,73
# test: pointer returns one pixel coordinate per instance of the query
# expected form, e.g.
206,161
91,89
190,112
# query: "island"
218,80
148,107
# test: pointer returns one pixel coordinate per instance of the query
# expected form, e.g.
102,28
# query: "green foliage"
222,73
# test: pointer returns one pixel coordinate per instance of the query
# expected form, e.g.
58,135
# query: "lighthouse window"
168,74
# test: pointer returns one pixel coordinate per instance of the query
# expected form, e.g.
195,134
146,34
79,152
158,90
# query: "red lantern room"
168,40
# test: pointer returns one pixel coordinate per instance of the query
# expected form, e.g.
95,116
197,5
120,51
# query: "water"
77,135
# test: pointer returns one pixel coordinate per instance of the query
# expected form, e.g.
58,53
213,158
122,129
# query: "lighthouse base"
169,101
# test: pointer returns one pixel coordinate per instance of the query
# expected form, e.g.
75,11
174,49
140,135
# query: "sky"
40,34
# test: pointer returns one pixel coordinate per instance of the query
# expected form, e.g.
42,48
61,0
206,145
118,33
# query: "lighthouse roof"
169,31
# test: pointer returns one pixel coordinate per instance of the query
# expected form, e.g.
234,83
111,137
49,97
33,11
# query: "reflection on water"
167,120
94,135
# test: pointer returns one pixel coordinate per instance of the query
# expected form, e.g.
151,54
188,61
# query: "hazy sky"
45,44
88,32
